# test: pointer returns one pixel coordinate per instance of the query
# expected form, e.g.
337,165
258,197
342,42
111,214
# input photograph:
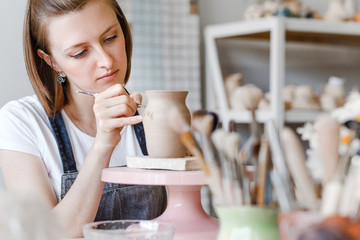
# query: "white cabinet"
278,31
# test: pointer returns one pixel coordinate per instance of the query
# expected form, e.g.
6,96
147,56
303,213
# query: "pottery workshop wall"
13,78
14,82
166,51
306,63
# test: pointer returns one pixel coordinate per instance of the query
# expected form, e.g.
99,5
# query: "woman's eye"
82,53
111,38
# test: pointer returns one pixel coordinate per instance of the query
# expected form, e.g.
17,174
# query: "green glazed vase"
247,223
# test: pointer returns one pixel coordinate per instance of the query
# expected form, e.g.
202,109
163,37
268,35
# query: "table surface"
127,175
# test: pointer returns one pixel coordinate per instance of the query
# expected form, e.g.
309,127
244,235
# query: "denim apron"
118,201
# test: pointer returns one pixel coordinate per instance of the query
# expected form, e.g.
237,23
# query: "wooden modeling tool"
295,159
262,172
328,130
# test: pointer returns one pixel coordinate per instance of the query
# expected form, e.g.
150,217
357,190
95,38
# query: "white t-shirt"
25,127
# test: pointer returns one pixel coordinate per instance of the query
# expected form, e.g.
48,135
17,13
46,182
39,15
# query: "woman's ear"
46,57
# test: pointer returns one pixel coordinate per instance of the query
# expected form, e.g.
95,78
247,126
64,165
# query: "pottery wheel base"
184,199
178,164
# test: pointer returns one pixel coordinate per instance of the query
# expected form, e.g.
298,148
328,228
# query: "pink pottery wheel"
184,200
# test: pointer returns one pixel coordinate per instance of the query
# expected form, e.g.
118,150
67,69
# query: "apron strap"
140,136
64,144
139,132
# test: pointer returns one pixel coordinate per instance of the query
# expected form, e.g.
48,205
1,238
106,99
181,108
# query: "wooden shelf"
301,116
278,32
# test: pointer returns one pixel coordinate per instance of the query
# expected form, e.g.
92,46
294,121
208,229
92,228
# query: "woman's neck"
80,111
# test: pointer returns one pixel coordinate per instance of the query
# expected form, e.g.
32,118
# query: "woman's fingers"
109,124
137,97
117,111
118,101
113,91
115,102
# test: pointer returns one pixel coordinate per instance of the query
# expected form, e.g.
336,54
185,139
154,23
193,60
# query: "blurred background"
169,49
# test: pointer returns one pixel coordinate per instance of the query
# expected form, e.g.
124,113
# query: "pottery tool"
181,126
228,143
295,159
250,150
262,171
87,93
211,118
204,125
95,94
332,190
249,154
350,200
280,176
328,130
346,180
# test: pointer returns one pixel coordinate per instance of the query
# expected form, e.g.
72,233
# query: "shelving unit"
278,31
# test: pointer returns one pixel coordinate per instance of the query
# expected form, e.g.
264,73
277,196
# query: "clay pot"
162,140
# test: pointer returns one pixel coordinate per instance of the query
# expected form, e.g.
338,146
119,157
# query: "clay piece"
336,11
305,98
231,82
246,97
162,140
177,164
334,94
295,6
253,12
269,8
288,94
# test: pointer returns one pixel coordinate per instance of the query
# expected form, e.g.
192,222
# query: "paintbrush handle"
295,158
189,142
328,130
262,172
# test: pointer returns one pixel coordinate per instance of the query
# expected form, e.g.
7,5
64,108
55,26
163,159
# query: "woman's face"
89,47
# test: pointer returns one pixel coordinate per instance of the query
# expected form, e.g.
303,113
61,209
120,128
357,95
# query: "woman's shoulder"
26,106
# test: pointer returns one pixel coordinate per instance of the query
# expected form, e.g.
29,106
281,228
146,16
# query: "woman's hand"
114,109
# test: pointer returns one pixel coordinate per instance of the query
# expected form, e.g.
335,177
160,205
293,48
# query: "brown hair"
51,94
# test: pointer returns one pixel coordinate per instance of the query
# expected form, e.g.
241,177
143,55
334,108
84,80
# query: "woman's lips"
108,77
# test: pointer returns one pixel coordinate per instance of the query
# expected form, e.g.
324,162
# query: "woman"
56,144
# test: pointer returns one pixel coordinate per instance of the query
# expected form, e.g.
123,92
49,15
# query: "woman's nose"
105,60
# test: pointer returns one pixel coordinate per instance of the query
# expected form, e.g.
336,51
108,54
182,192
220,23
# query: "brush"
204,124
182,127
280,176
295,158
328,130
228,143
262,171
333,190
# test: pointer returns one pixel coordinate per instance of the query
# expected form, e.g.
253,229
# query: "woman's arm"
24,172
27,173
114,109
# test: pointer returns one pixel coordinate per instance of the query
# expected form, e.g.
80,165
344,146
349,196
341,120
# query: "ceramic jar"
247,222
162,140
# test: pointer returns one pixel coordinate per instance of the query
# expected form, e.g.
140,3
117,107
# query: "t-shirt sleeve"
17,129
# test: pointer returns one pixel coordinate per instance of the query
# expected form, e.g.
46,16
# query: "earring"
61,78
